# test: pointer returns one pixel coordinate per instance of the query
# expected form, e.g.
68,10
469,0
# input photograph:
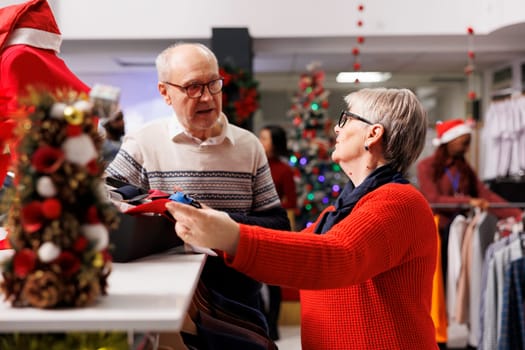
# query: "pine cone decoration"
88,294
42,289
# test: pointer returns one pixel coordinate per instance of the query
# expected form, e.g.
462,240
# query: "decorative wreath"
240,97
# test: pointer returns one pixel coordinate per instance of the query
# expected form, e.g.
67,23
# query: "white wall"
140,19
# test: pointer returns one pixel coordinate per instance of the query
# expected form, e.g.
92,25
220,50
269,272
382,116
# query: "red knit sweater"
366,283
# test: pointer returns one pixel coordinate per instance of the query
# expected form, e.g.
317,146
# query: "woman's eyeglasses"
345,115
195,90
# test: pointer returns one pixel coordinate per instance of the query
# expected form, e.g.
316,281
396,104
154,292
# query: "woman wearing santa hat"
445,177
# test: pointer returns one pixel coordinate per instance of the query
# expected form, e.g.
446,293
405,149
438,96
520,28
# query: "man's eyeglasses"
346,114
195,90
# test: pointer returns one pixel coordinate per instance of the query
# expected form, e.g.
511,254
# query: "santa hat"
449,130
30,23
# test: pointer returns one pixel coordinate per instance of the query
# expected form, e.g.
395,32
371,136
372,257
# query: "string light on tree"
318,179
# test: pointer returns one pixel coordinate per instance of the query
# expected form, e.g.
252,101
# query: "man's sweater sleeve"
274,218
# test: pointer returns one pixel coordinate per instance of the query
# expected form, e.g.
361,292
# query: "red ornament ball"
92,215
471,54
471,95
357,66
355,51
80,244
73,130
470,30
51,208
359,23
360,39
24,262
360,7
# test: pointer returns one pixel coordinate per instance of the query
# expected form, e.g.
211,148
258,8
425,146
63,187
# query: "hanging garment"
438,309
484,236
494,291
512,335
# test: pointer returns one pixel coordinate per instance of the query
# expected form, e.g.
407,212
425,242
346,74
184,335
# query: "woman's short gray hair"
403,118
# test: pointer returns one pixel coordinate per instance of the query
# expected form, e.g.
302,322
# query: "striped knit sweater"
366,283
229,172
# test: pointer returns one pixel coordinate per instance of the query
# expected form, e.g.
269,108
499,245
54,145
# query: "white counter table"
151,294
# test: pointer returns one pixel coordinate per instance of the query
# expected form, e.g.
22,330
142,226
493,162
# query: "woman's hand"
481,203
205,227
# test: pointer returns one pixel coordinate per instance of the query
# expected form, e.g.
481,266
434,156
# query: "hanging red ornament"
356,81
468,69
360,40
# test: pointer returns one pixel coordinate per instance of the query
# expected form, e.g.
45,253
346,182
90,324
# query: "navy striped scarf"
351,195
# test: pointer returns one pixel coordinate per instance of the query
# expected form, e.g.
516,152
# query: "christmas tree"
59,214
311,140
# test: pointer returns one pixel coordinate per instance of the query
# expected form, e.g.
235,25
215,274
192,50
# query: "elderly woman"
365,266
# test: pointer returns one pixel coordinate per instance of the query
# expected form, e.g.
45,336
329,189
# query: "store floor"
290,338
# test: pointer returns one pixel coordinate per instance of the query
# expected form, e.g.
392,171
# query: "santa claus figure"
29,46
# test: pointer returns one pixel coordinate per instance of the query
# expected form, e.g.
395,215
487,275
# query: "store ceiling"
411,59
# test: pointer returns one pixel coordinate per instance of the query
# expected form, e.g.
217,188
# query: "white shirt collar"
177,132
